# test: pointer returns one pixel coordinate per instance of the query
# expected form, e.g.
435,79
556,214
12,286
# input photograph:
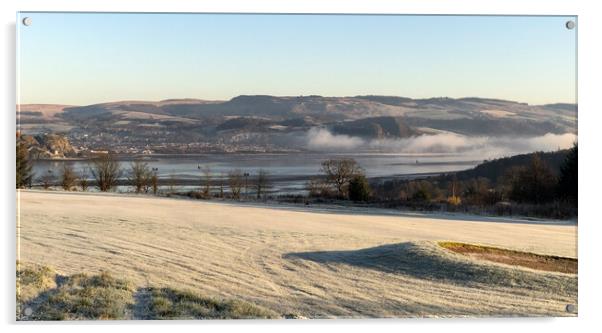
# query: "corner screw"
570,25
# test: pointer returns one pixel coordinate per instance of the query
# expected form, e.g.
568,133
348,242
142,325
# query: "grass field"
292,262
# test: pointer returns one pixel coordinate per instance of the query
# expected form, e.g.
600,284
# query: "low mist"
320,139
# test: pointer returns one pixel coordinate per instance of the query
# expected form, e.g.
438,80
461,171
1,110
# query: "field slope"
312,264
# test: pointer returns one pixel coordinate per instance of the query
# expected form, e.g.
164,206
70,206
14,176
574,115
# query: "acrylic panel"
295,166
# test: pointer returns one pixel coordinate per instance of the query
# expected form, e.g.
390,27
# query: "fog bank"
320,139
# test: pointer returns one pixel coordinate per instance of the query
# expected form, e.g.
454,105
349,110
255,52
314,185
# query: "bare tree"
68,177
207,182
262,183
339,173
138,177
154,180
83,180
236,182
106,172
47,179
318,187
221,185
172,182
533,183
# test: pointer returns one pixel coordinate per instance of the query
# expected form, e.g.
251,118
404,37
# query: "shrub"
105,170
421,195
139,176
359,189
68,177
454,200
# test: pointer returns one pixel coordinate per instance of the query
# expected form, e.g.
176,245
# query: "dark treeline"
537,184
493,169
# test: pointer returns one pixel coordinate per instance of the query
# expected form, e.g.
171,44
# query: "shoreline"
129,157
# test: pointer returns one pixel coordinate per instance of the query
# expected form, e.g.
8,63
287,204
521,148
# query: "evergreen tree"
567,184
24,174
359,189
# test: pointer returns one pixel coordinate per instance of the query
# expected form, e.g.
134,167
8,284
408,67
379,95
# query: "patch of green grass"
86,297
515,258
167,303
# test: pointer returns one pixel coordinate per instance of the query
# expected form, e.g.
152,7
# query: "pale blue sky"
78,58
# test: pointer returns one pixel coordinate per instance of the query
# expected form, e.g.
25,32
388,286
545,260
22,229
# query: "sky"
87,58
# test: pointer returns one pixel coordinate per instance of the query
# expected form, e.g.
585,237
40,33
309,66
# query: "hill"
280,123
496,168
469,116
375,128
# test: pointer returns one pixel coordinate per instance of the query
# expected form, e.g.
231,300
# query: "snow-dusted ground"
332,262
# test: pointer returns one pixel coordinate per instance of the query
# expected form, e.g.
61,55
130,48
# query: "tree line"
106,175
530,187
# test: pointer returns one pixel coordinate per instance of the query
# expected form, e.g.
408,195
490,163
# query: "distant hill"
390,100
375,128
279,123
28,112
245,123
468,116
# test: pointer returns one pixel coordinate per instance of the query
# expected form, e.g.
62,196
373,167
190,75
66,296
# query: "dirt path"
313,264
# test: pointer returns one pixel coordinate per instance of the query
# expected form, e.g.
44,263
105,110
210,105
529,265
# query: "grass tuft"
167,303
31,281
81,296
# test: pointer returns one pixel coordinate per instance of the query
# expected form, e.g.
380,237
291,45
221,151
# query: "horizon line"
289,96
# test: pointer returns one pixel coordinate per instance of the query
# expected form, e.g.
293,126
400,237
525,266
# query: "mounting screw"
570,25
570,308
27,21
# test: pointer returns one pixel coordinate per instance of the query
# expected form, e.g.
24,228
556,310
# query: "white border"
590,87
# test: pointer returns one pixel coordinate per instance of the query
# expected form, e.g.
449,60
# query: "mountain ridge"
275,123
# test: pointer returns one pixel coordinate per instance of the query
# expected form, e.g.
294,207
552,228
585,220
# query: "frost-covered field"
294,261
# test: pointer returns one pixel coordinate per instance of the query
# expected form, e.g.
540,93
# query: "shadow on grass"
428,262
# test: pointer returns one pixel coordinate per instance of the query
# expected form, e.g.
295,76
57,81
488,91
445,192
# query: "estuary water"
288,172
